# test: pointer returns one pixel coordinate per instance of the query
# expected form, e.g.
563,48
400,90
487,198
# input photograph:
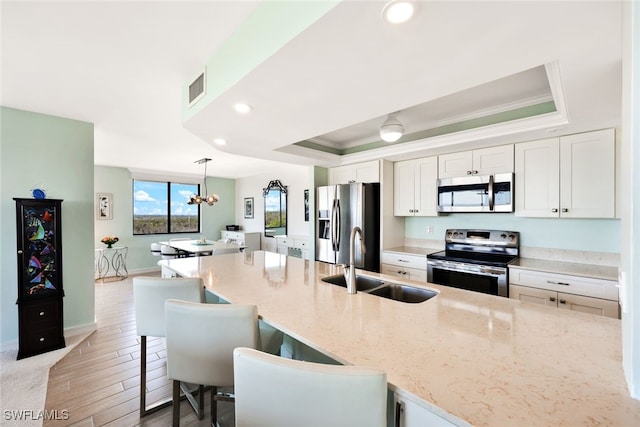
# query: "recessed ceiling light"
398,11
241,107
220,141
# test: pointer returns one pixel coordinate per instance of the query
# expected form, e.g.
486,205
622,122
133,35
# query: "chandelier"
208,199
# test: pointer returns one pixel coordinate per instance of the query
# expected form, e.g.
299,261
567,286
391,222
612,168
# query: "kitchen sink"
363,283
380,288
404,293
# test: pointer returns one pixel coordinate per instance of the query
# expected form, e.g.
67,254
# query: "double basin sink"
384,289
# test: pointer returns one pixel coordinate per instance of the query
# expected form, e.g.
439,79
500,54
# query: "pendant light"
207,198
391,130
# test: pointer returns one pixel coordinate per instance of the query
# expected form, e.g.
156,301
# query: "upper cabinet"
484,161
415,191
359,172
569,177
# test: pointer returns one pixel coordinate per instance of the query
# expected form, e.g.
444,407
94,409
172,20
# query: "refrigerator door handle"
333,225
336,223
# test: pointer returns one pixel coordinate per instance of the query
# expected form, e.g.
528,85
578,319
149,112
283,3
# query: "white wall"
296,179
630,180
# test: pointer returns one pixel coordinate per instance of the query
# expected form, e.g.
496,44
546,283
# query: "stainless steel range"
475,260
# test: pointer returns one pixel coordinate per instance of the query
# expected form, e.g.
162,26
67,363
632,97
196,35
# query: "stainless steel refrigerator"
339,208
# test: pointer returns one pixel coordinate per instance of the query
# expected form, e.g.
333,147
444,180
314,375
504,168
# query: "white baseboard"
80,329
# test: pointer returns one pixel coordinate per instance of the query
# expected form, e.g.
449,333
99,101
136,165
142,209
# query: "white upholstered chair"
156,249
271,391
200,342
225,250
149,295
168,252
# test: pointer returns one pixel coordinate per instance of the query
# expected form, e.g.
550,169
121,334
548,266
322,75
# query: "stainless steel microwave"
476,193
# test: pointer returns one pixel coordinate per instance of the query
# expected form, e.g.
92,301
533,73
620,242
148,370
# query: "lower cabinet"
407,413
404,266
298,247
585,294
40,326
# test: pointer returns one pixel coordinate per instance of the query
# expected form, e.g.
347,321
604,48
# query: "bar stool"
156,249
200,343
276,392
149,295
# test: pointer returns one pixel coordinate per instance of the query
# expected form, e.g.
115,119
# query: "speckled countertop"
466,356
574,269
412,250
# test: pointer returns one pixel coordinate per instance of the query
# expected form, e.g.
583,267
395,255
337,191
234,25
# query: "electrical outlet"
429,229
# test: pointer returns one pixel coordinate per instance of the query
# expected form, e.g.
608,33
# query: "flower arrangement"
109,241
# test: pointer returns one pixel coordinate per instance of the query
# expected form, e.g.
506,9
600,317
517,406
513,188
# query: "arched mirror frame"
275,201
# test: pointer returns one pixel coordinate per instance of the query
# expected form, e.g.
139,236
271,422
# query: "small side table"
112,260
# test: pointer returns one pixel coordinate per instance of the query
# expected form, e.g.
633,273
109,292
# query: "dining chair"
168,252
272,391
200,342
149,295
225,250
156,249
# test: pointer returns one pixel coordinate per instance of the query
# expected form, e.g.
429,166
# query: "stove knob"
503,236
512,237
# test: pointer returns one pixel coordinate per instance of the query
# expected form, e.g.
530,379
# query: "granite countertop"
571,268
466,356
412,250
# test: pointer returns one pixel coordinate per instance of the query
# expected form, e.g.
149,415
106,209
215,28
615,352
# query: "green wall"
55,154
118,182
598,235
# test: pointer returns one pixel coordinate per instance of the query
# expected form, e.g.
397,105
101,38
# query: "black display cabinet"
40,291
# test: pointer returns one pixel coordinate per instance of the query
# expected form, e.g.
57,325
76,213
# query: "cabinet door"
391,270
587,175
534,295
537,178
367,172
426,187
410,414
403,188
492,160
455,164
597,306
341,175
415,274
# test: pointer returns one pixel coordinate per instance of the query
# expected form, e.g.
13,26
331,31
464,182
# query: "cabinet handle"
42,313
415,211
41,339
553,282
411,210
552,299
403,260
565,210
563,301
20,251
554,210
469,172
399,410
399,271
475,172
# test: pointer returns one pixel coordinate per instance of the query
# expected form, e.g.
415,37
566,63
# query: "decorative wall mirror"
275,209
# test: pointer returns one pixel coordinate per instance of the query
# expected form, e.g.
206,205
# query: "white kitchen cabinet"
404,266
293,246
415,187
483,161
249,239
407,413
585,294
567,177
359,172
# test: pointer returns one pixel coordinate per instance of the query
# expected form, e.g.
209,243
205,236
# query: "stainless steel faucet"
350,270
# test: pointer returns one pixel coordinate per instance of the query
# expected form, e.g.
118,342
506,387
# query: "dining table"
199,247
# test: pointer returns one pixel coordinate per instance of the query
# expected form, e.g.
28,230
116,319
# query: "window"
161,208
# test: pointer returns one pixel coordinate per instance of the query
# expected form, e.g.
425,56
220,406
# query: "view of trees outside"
161,208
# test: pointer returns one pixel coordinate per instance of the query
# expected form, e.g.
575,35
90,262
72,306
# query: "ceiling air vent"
197,89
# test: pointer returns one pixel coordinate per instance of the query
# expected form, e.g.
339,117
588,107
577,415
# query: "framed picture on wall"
248,207
104,206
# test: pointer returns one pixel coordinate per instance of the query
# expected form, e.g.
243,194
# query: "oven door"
471,277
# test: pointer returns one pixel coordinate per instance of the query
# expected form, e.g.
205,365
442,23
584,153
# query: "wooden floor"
98,382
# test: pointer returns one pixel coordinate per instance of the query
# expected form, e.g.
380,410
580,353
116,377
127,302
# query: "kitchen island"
465,356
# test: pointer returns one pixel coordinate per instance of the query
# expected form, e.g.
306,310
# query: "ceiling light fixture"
220,141
242,108
208,199
391,130
398,11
